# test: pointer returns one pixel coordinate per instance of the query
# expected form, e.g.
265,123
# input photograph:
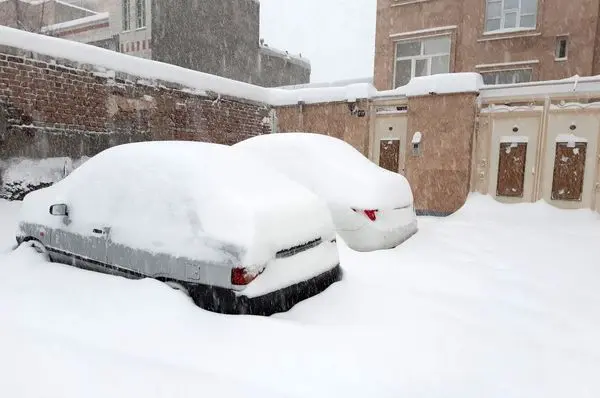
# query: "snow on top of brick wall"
143,68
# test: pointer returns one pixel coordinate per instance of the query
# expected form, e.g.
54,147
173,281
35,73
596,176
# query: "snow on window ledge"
399,3
508,30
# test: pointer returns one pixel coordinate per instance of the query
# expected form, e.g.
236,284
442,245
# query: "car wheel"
38,247
178,286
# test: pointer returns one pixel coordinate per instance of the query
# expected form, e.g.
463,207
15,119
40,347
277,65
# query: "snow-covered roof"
64,3
90,20
337,83
571,85
349,93
293,58
445,83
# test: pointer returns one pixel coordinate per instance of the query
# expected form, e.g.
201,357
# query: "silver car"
235,236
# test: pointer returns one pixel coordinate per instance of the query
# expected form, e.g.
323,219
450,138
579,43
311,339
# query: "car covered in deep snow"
371,207
234,235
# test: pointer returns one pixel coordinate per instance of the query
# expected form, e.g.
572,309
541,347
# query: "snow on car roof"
331,168
178,197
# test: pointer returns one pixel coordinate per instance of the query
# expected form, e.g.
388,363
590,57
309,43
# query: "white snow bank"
349,93
331,168
475,305
8,224
445,83
76,22
39,171
177,197
143,68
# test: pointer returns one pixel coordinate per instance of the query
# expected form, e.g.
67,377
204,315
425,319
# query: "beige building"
517,143
506,41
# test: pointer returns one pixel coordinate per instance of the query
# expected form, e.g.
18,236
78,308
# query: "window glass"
528,6
440,64
511,4
408,48
493,24
489,78
140,9
403,72
510,20
421,67
523,76
126,17
436,45
561,48
527,21
507,76
494,10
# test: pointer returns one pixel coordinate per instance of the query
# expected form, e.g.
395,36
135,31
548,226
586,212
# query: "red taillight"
241,276
372,214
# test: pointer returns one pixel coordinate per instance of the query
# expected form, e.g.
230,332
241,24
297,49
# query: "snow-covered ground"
494,301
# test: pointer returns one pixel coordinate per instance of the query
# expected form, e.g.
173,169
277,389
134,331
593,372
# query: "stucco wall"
440,174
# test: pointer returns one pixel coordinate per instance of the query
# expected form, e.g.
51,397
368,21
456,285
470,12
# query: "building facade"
506,41
34,16
215,37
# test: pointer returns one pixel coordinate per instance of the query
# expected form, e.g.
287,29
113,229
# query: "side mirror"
59,210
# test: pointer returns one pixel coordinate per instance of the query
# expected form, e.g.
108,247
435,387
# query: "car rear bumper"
369,238
226,301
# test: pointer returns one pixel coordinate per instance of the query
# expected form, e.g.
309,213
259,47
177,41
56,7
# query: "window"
510,14
507,76
140,13
126,15
421,58
561,47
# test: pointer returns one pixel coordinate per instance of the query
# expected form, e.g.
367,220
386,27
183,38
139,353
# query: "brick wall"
334,119
56,108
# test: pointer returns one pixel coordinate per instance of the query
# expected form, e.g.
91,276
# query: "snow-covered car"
372,208
234,235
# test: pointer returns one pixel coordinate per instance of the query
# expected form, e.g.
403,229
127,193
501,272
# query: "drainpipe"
540,151
301,115
473,175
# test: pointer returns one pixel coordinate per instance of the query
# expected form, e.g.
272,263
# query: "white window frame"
504,11
415,58
126,15
507,70
140,14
